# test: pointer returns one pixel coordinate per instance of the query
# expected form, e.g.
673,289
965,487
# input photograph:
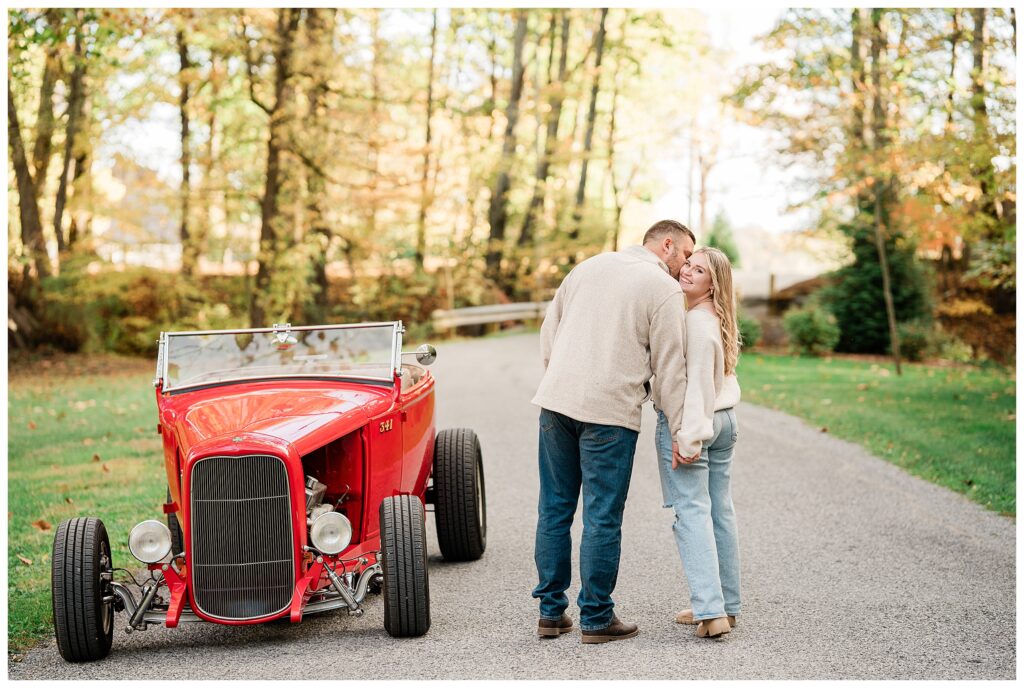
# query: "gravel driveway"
851,569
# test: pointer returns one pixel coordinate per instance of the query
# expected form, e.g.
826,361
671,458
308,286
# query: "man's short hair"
663,227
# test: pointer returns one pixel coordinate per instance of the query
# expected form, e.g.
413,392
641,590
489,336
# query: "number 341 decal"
386,425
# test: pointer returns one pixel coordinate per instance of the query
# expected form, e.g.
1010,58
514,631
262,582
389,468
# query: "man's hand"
678,459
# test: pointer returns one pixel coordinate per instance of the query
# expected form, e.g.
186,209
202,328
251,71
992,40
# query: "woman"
698,487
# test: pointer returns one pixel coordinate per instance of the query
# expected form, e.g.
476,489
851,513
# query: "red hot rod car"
298,464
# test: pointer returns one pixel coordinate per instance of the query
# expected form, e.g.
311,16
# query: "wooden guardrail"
479,315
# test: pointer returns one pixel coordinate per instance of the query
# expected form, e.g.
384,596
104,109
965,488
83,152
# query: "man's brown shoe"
616,630
686,617
548,628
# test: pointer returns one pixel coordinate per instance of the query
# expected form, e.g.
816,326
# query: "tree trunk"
983,169
28,207
189,249
425,201
75,100
880,140
588,137
43,147
554,115
81,184
954,41
287,23
497,214
320,29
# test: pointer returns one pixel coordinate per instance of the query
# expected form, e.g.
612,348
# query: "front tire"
460,507
81,569
403,544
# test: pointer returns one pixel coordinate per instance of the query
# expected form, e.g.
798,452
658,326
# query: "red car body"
299,462
376,441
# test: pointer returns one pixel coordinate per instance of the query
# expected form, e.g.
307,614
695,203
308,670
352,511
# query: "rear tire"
81,567
177,539
403,545
460,506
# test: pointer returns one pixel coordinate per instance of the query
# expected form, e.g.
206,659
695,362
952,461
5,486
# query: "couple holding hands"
616,334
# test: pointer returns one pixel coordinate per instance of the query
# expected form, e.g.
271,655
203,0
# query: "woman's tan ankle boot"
712,628
686,617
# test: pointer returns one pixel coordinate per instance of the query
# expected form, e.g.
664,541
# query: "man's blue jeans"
598,459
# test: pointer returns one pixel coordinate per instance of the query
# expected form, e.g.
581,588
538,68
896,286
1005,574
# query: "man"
616,321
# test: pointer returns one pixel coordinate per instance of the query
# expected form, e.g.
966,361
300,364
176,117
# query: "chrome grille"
242,546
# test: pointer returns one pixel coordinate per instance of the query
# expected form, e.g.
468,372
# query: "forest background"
368,164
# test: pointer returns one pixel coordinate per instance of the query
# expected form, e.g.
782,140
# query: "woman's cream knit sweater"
708,388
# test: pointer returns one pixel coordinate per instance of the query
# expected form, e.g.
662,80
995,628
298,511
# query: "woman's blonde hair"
723,298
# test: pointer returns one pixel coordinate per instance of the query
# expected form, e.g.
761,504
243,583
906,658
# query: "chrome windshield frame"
163,360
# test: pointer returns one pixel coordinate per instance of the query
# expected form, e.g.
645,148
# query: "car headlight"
331,532
150,541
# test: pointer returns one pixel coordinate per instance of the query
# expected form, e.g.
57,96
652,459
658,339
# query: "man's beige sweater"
616,321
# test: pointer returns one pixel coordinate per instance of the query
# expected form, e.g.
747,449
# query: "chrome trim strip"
160,372
272,330
396,351
297,376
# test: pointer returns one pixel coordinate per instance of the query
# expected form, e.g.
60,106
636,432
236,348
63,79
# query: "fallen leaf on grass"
106,468
824,429
95,458
42,525
1011,416
31,425
87,441
862,386
24,560
68,500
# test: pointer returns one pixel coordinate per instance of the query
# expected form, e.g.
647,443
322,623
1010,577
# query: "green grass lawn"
77,446
952,426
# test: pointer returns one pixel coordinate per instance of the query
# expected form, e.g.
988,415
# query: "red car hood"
306,414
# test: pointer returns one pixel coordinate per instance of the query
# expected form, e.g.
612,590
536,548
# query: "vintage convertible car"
299,461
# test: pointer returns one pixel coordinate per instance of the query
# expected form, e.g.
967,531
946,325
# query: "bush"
855,295
916,340
750,331
811,329
125,311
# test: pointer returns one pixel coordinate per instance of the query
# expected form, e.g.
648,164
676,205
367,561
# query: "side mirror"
426,354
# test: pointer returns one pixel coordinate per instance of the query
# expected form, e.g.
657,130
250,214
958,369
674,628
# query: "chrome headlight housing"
331,532
150,542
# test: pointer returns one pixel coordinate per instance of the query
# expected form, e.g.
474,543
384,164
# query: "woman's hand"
678,459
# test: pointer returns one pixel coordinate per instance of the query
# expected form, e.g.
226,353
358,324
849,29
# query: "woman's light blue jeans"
705,526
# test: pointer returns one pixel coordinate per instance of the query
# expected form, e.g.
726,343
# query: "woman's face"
695,277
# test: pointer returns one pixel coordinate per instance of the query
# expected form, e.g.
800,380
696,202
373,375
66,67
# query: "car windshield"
351,351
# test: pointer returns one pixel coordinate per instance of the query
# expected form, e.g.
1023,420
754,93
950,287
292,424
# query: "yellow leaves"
42,525
106,468
88,442
960,308
24,560
83,405
862,386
